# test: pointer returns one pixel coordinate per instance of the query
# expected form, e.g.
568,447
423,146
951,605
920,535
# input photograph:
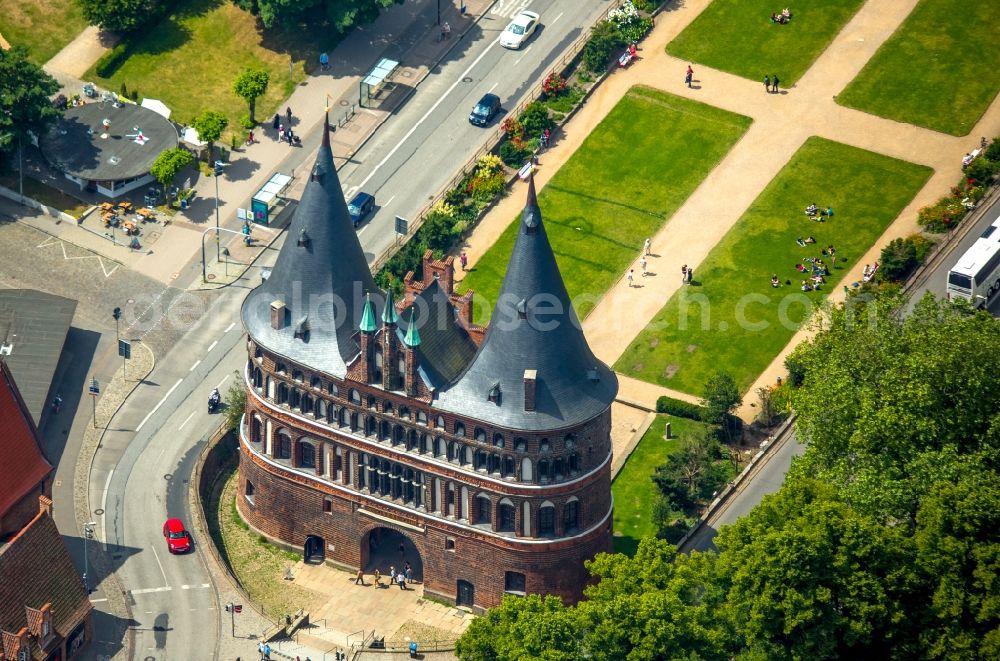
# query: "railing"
491,143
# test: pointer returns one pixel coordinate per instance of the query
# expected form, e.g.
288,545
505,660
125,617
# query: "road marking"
230,327
160,564
221,382
196,363
523,55
51,241
211,346
97,601
494,86
158,405
194,587
165,588
389,201
104,508
362,230
458,81
186,420
353,189
553,21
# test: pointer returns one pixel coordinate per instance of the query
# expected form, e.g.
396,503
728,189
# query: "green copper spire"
368,316
412,338
389,316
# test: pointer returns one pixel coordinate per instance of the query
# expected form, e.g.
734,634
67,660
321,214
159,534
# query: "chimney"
410,379
278,314
530,383
45,505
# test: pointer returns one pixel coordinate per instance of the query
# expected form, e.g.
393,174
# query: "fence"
494,139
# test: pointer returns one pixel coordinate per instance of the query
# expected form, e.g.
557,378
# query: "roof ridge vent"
316,174
303,238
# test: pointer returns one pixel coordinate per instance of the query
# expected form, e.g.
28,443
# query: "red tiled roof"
23,466
35,569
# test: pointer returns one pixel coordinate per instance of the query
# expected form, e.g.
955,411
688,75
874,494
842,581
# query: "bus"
976,275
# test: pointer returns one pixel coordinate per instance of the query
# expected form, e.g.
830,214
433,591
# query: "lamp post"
225,253
439,11
117,314
88,533
219,165
204,264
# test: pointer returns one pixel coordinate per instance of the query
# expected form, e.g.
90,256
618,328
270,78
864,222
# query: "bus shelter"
375,80
269,195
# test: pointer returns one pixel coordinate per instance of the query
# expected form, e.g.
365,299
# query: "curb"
618,462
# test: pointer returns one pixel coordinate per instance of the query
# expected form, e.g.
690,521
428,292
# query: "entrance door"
313,550
466,594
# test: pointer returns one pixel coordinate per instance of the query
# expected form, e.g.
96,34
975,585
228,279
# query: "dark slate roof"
23,465
573,386
35,569
445,347
34,325
322,282
75,145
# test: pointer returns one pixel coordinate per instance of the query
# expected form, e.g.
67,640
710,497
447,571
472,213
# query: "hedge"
680,408
110,61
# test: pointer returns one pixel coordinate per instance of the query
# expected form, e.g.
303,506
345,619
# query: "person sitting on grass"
809,239
806,286
829,212
812,209
774,281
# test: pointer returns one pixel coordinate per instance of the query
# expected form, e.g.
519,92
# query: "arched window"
411,439
543,470
371,425
506,514
467,455
258,352
569,442
307,455
498,440
459,429
404,412
543,445
355,397
249,491
398,434
319,409
372,402
284,447
331,413
297,376
484,508
479,462
508,466
255,430
571,514
294,398
345,417
280,368
439,448
317,383
439,422
387,407
425,443
546,519
453,451
574,463
520,445
332,389
495,463
480,435
526,474
557,468
421,417
268,387
306,403
377,371
282,393
258,378
526,519
385,431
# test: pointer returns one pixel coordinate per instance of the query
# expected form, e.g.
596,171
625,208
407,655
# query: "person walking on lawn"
767,83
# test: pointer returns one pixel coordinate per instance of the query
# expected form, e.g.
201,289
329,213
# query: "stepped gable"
442,343
534,370
311,305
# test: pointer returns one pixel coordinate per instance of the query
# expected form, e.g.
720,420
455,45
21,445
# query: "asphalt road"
140,476
416,153
769,477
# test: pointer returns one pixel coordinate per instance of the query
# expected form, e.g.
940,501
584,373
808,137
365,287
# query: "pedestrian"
360,578
288,115
250,138
324,61
833,260
260,648
401,579
689,76
629,277
276,124
767,83
281,131
392,573
647,246
774,83
463,259
378,578
409,574
684,274
267,652
690,275
642,266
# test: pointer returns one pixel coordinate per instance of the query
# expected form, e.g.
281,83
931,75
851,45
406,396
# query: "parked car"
484,111
362,205
178,539
519,30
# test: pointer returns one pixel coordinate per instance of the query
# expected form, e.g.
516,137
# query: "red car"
178,539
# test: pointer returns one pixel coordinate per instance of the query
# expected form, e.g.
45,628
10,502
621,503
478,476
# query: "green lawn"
190,58
627,178
731,319
737,36
42,26
634,490
941,69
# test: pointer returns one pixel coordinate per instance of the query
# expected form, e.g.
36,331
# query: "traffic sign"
95,387
124,349
401,225
238,608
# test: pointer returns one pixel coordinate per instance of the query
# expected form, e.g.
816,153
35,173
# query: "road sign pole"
94,399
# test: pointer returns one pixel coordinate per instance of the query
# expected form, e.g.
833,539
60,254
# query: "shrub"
679,408
512,127
982,170
993,151
898,260
245,121
943,215
487,186
605,39
554,84
513,155
629,24
108,63
796,370
535,119
489,164
565,101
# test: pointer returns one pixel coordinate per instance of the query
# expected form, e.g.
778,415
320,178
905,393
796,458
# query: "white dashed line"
186,420
211,346
196,363
158,405
230,327
165,588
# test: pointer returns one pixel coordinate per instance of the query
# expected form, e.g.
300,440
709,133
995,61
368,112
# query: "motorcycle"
214,400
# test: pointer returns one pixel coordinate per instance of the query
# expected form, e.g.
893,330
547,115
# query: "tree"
688,476
343,14
251,85
520,628
768,410
236,403
898,259
722,396
169,163
24,99
210,125
118,15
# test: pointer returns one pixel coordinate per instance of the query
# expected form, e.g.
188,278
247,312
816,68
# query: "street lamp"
219,165
88,533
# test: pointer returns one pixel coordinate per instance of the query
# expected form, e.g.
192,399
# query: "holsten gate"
381,431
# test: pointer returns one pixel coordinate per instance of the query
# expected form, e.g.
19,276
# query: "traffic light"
229,607
117,313
219,165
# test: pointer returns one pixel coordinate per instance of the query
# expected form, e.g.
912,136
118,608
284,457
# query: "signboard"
95,387
124,349
401,225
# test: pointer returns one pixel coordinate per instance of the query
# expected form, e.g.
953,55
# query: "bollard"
666,432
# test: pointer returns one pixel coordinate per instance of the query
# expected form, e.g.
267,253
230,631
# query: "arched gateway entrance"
383,548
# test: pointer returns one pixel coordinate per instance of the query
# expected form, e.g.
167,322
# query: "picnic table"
125,206
146,213
107,206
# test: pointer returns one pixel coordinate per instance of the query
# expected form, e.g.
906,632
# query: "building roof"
533,327
23,466
36,569
321,276
33,325
75,146
445,348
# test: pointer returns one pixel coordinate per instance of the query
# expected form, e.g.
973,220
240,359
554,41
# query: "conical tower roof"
534,333
321,277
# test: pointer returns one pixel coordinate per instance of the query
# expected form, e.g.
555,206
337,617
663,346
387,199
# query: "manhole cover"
130,301
173,276
58,483
168,476
406,73
344,102
211,276
99,511
467,79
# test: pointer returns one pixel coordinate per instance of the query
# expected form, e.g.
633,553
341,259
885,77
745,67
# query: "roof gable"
23,466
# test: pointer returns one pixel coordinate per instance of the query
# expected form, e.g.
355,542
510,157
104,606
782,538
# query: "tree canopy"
342,14
250,85
169,163
118,15
25,89
210,125
884,541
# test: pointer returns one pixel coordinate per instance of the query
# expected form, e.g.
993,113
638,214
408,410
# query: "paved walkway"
782,123
80,54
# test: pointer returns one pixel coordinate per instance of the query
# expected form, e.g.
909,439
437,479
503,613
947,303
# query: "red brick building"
44,608
381,432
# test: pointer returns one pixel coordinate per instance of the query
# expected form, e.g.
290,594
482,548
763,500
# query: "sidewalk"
781,125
